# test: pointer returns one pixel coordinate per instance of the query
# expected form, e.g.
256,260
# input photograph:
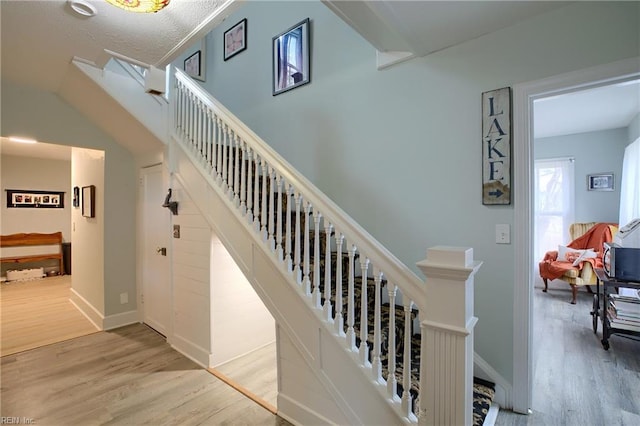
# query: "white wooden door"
156,284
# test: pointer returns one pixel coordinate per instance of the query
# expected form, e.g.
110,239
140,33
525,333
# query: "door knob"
162,251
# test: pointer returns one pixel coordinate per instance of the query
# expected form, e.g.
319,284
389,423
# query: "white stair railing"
292,218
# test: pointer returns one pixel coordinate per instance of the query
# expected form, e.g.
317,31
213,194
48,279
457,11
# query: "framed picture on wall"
235,39
195,63
600,182
23,198
291,58
89,201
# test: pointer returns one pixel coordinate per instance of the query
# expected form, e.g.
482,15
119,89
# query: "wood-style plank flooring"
129,376
577,382
37,313
255,374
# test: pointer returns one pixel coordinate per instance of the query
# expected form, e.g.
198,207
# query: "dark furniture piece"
604,286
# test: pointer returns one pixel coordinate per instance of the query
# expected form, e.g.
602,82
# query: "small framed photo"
291,58
195,64
600,182
89,201
235,39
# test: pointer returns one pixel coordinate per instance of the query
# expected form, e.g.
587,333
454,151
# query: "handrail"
394,270
266,191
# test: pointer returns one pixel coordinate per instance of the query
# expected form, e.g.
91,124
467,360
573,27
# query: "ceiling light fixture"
83,8
142,6
21,140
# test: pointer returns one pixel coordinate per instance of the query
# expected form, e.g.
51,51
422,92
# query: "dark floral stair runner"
483,391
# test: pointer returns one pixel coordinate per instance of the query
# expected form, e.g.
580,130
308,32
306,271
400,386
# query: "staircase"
363,306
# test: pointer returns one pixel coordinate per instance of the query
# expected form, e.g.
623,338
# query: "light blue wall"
400,149
594,152
47,118
634,129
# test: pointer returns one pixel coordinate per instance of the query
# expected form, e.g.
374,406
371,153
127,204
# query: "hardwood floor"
129,376
255,375
37,313
577,382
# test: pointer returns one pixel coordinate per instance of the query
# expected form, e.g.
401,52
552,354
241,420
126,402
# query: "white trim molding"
87,309
120,320
524,96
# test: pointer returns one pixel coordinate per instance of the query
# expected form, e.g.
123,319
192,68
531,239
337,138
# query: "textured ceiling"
40,38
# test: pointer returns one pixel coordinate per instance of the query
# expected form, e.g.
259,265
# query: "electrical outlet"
124,298
503,234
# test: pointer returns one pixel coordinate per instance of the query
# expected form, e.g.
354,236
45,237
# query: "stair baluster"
376,363
236,170
297,268
198,130
219,136
351,307
264,209
364,332
249,185
288,214
243,180
256,194
272,209
305,250
407,408
338,318
392,383
316,260
279,250
327,271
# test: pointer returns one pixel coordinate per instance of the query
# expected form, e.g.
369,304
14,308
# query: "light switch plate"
503,234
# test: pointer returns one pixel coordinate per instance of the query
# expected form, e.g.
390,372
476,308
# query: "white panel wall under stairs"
191,273
343,394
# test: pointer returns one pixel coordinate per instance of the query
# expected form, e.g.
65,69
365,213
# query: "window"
630,184
554,204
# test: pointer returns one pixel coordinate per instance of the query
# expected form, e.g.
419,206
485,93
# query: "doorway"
155,297
524,97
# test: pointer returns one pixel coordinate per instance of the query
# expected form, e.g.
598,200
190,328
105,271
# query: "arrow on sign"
497,193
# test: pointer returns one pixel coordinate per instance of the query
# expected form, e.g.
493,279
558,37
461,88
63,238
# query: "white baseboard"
192,351
504,390
120,320
290,409
87,309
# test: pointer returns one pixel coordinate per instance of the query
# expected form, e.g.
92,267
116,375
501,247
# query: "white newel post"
446,370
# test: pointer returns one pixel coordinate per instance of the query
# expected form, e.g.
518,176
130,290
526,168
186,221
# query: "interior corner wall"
44,116
633,129
594,152
87,257
400,149
27,173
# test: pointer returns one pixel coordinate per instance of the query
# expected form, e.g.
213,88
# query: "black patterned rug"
483,393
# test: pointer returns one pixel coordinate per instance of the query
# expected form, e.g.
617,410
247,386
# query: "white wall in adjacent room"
38,174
